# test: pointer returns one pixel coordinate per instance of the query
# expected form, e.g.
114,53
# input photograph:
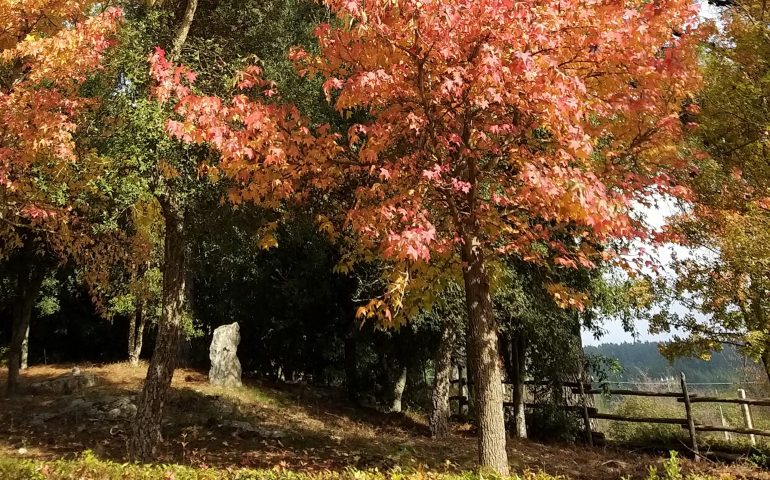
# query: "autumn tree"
49,48
724,280
170,177
495,125
487,128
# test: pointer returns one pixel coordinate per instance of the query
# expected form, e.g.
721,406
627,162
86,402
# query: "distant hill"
642,362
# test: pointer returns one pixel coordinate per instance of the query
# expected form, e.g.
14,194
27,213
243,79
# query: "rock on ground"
225,366
72,382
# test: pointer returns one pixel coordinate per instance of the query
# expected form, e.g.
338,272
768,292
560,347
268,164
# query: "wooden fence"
587,412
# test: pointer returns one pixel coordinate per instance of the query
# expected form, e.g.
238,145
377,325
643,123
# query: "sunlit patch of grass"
88,466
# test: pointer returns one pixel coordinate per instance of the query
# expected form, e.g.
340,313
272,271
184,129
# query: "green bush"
551,422
671,470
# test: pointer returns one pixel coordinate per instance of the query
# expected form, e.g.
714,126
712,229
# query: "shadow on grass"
293,426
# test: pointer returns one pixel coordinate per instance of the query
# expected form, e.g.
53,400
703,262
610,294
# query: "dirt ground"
296,427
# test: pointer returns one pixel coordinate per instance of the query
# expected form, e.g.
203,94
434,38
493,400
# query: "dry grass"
323,431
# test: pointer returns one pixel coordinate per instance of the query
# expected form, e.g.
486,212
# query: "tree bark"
184,28
28,285
440,408
25,348
513,346
146,429
398,390
759,322
766,361
518,364
136,335
487,377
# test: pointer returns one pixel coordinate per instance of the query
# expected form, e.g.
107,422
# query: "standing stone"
225,367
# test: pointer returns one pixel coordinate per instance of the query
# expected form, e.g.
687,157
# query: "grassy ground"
704,413
309,430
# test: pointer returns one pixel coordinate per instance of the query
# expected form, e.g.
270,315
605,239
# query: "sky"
613,329
656,217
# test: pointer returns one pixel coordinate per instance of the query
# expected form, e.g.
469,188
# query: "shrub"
673,471
550,422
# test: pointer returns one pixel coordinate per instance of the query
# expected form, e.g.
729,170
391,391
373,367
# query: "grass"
323,436
87,467
704,413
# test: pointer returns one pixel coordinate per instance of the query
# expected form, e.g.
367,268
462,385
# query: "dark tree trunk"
28,285
351,373
513,346
146,429
398,390
136,335
487,375
440,408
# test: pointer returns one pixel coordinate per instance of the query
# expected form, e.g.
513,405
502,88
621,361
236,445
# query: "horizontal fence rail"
586,388
760,402
636,393
621,418
741,430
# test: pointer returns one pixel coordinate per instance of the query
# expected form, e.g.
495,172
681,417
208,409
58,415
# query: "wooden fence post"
724,422
586,418
747,416
690,421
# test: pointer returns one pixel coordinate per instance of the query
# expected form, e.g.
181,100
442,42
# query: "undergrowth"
88,467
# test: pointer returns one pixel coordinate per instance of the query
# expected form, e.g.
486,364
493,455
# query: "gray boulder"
72,382
225,366
121,408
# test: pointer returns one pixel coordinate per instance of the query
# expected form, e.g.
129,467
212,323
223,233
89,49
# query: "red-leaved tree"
499,126
47,50
494,128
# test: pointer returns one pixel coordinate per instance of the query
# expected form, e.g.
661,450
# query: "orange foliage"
526,128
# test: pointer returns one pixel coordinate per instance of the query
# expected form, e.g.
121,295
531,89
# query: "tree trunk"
398,391
185,347
136,335
513,346
487,377
27,288
766,362
440,408
518,363
146,429
25,348
183,29
351,372
758,315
